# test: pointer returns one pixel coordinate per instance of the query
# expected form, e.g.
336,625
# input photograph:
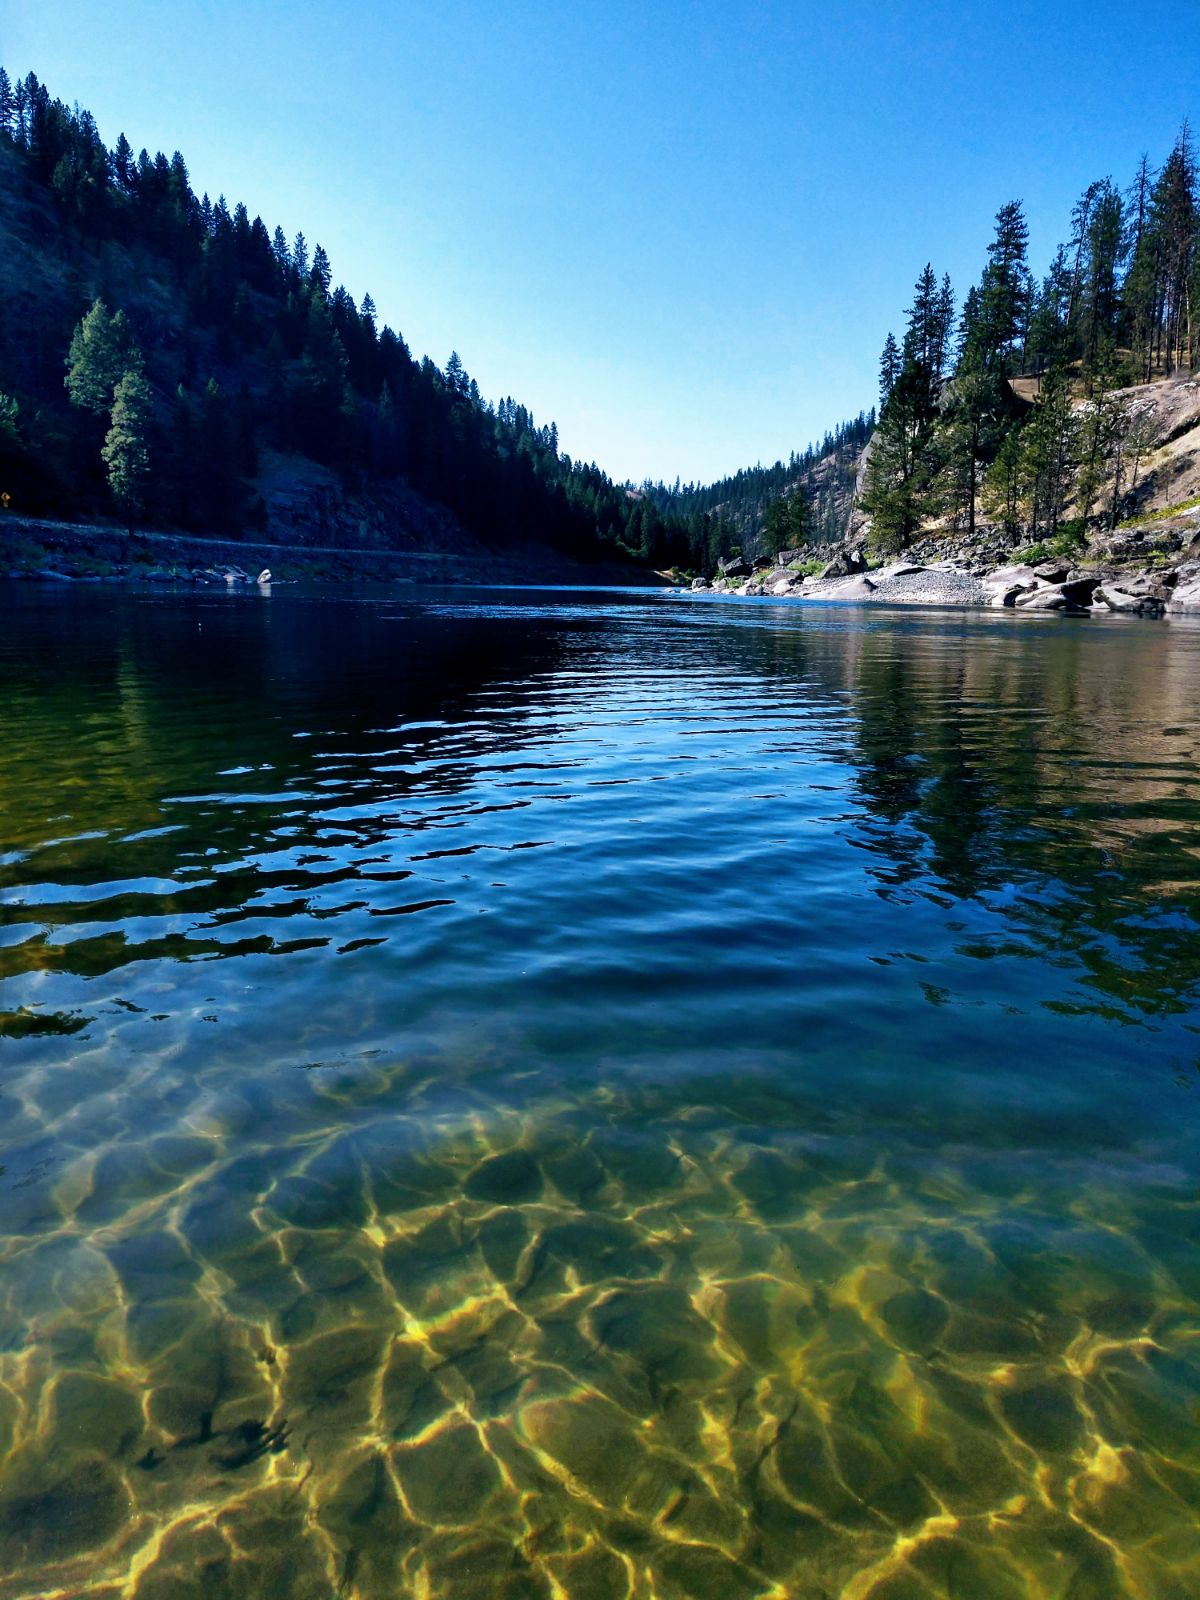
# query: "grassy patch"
1162,515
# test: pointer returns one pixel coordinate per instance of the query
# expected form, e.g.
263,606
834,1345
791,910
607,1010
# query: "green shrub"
1070,540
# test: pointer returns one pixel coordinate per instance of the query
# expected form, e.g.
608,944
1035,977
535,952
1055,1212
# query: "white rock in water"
264,576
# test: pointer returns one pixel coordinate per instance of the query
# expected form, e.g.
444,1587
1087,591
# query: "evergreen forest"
1017,407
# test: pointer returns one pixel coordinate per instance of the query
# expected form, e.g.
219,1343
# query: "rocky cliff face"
309,506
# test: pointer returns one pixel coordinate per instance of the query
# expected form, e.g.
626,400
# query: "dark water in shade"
540,1095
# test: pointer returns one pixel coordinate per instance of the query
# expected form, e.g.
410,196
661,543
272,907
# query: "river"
561,1096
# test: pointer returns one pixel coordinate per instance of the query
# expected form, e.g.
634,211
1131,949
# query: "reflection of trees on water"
253,734
1042,770
1037,769
1048,771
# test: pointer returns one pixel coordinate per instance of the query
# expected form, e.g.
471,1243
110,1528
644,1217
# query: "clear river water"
596,1096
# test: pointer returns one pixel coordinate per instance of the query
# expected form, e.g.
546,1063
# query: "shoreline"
39,549
1052,585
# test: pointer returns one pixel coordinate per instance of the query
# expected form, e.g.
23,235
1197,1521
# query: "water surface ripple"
610,1097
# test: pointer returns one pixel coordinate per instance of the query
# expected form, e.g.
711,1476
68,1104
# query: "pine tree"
126,449
922,340
901,467
787,522
456,378
944,323
1047,341
1096,297
889,369
1048,442
1002,308
1003,489
1100,432
20,114
1081,218
8,105
1173,209
970,435
321,275
102,348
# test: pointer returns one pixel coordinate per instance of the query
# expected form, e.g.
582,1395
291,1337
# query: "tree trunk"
971,484
1116,494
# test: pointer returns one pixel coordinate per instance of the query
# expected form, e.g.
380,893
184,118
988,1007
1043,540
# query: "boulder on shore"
1019,573
698,584
844,564
1121,600
1185,598
855,588
1079,587
734,567
1005,594
1050,597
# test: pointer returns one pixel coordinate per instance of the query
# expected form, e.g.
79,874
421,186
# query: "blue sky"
679,230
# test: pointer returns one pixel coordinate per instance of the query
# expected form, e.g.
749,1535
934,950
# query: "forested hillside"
807,499
1019,409
217,379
